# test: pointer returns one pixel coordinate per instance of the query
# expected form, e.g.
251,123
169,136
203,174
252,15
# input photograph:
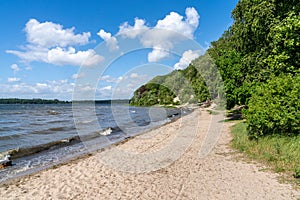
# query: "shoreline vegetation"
56,101
258,60
31,101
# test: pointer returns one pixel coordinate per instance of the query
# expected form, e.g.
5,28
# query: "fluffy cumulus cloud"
50,43
111,42
186,59
60,56
49,34
157,54
137,29
183,25
164,34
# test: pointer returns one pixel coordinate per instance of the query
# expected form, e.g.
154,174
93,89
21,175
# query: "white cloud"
192,17
186,59
15,68
61,89
108,79
111,42
49,34
166,32
76,76
31,53
51,43
178,23
157,55
42,85
160,39
137,29
109,87
14,79
59,56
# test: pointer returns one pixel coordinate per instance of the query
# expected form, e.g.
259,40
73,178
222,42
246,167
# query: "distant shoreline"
56,101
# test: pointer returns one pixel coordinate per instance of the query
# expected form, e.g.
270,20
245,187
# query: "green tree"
274,107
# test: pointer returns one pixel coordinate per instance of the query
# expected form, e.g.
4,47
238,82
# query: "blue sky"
48,46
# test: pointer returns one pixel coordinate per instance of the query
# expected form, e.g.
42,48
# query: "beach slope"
187,175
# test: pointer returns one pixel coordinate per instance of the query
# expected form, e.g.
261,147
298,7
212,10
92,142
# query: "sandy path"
216,176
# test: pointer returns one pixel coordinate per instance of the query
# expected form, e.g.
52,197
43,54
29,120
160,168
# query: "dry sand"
216,176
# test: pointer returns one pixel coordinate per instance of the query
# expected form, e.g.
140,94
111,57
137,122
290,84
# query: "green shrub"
274,107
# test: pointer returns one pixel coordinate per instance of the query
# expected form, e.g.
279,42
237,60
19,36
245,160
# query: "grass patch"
281,153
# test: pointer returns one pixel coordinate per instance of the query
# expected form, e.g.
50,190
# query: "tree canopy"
258,60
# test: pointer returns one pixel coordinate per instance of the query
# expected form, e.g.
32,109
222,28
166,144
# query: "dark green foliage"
152,94
197,83
31,101
297,173
263,41
285,44
275,107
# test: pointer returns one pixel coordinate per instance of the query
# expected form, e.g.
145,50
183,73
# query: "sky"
96,49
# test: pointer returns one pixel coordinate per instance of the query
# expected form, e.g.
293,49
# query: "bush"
274,107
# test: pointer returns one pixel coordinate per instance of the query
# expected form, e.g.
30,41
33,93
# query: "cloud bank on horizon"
49,42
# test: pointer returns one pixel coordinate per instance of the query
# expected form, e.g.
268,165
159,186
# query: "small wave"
53,130
36,124
8,122
26,151
17,113
86,121
10,129
57,121
9,137
57,129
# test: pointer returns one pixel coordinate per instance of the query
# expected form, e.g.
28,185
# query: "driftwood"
205,104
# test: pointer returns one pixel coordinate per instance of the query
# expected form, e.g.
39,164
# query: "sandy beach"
165,163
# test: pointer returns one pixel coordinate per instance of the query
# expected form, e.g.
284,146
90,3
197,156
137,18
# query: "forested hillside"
196,83
258,58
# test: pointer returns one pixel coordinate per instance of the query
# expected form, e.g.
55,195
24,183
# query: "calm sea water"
38,136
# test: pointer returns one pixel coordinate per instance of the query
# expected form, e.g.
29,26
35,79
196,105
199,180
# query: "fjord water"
40,135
